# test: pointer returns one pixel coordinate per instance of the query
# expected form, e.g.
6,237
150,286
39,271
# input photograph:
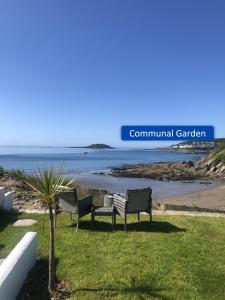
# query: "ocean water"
83,162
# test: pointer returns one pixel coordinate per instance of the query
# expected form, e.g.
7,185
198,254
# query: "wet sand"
213,198
160,189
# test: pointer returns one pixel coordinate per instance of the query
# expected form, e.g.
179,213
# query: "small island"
99,146
94,146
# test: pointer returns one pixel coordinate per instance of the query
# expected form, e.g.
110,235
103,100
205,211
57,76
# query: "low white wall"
2,196
14,269
8,202
6,199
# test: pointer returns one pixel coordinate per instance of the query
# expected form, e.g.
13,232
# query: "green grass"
172,258
221,156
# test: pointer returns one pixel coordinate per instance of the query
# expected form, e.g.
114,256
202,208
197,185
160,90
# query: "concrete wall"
190,208
8,202
2,196
14,269
6,199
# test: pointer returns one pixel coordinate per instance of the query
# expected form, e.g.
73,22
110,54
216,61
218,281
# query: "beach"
213,198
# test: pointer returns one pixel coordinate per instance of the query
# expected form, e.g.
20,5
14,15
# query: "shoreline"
161,189
210,197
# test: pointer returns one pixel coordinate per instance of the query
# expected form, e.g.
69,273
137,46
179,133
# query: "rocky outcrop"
161,171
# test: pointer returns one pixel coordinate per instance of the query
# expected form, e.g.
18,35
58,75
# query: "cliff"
214,164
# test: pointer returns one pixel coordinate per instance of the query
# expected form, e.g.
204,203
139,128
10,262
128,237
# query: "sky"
73,72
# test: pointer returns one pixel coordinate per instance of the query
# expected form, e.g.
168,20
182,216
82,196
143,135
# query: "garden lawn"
171,258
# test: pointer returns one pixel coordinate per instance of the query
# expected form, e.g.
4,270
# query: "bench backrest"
67,201
139,200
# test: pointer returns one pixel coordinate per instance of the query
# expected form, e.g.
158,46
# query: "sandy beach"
211,198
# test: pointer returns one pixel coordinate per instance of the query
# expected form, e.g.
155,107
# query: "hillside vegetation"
214,163
220,153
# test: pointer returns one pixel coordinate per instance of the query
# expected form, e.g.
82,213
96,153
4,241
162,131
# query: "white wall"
6,199
14,269
2,196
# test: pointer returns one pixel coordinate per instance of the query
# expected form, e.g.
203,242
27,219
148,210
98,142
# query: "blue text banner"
167,133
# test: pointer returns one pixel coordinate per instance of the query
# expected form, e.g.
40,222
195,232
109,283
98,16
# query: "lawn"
172,258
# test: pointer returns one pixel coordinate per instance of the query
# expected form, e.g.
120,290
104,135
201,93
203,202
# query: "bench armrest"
120,203
85,203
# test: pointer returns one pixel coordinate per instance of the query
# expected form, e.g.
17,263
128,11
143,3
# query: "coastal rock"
212,166
161,171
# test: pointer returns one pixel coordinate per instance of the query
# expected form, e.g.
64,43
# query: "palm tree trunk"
51,278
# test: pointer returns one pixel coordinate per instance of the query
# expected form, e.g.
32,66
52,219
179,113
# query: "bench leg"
112,220
78,219
92,220
138,216
125,223
114,216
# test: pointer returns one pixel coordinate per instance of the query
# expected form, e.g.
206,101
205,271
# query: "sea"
83,163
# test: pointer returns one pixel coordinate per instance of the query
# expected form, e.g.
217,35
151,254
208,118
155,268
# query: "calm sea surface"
82,162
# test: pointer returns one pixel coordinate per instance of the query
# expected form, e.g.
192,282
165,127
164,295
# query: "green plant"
16,174
47,184
221,157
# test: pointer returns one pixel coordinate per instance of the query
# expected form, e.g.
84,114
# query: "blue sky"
73,72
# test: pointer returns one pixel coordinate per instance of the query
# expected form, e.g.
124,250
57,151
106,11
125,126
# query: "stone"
24,223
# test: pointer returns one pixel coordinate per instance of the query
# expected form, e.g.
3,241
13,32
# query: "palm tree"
47,184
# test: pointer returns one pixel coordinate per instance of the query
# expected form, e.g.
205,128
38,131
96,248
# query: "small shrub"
17,174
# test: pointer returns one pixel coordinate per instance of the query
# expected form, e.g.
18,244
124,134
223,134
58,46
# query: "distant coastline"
198,147
189,147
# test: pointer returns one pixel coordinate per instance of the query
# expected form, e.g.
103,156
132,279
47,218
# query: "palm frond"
48,183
